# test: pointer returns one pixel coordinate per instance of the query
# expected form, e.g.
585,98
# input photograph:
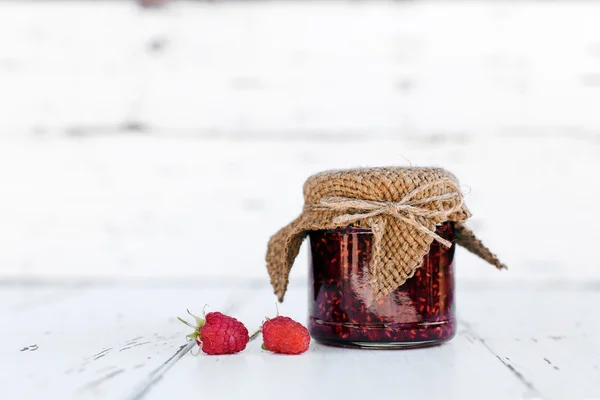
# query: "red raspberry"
284,335
219,334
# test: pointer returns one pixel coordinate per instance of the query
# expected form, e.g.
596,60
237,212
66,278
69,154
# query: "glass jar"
343,311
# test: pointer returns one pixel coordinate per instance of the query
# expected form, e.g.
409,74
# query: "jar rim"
346,231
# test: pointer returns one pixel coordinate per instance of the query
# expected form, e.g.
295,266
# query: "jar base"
381,345
381,336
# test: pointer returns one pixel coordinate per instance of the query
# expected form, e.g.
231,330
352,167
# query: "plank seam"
516,373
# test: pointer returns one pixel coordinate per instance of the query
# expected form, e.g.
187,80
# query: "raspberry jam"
343,311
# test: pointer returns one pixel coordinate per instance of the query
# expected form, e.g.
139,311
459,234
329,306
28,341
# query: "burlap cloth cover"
400,205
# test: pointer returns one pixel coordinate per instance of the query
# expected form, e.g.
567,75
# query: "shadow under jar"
344,312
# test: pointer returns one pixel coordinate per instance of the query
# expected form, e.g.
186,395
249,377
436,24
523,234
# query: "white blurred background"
168,144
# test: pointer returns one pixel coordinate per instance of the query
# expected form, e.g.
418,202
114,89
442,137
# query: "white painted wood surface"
117,160
123,342
135,146
223,69
127,207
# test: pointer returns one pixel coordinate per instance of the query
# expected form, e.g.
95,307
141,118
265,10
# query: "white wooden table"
123,342
135,144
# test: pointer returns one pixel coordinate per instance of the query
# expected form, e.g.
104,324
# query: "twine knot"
406,210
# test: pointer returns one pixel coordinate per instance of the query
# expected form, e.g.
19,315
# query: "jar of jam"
343,310
382,244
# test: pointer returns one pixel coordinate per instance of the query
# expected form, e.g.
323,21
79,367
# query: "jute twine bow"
402,207
405,210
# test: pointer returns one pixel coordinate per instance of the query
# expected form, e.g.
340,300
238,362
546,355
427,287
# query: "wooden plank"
22,297
126,207
102,342
371,68
549,339
554,368
531,313
463,368
123,342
